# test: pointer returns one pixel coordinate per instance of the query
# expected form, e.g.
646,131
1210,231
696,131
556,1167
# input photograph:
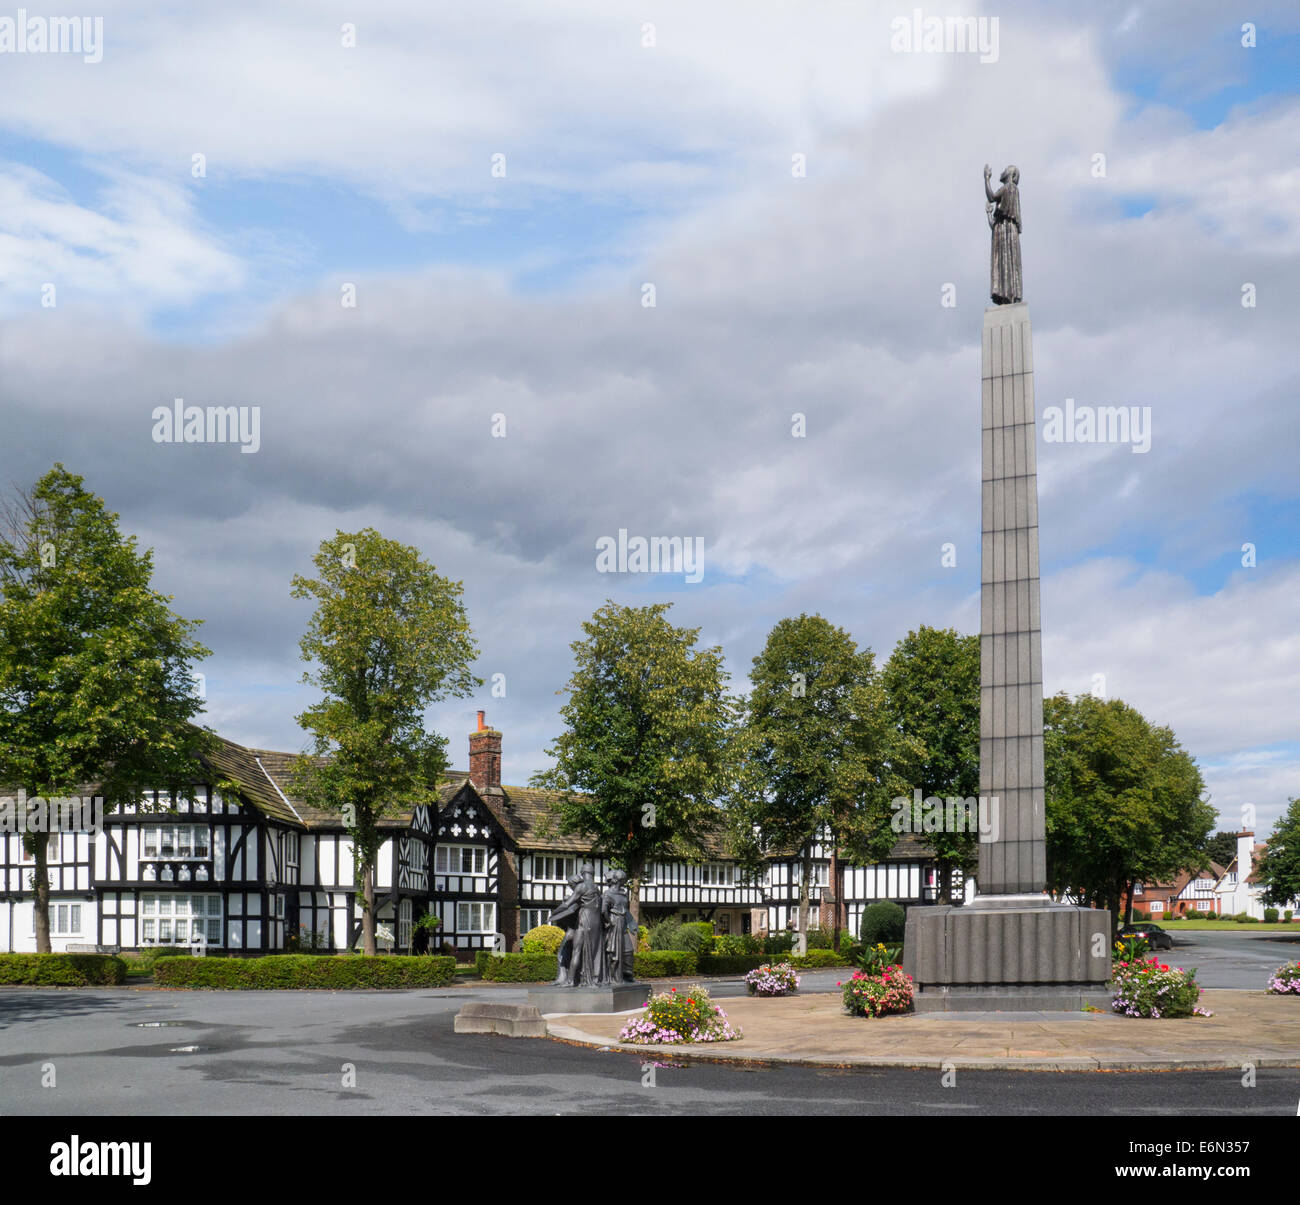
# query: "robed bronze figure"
1006,284
600,940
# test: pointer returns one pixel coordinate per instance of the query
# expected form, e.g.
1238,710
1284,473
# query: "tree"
821,751
96,684
389,637
932,682
1124,801
645,755
1220,848
1278,868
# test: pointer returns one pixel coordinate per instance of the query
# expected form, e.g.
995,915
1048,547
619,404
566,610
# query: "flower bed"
1149,988
876,995
1285,981
676,1018
772,980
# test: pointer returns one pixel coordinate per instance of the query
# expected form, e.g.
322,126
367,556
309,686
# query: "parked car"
1155,936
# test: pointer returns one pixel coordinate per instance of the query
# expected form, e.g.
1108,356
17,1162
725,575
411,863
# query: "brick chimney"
485,759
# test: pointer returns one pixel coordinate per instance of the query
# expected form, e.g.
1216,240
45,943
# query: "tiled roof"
260,772
525,814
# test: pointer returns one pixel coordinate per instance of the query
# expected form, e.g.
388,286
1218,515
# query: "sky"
400,229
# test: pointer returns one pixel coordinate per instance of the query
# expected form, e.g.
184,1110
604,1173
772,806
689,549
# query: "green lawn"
1291,927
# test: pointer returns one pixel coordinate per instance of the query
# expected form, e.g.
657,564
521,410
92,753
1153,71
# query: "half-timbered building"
242,864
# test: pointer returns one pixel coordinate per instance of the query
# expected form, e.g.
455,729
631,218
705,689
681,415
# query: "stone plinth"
612,998
1018,953
513,1020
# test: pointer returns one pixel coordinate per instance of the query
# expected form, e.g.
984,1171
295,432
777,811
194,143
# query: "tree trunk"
1128,910
805,873
368,909
635,869
38,845
837,888
945,881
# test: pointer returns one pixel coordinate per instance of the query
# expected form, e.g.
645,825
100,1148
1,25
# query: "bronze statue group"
600,935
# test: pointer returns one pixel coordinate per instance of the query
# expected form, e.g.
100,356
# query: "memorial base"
612,998
1017,953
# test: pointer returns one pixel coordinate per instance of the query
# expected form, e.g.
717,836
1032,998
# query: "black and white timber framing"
258,871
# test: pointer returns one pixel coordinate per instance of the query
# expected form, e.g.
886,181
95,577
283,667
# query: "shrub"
543,939
1286,980
141,962
666,935
769,980
730,944
819,958
528,967
776,944
1270,916
882,922
1149,988
821,939
697,937
300,971
481,959
1243,919
62,970
876,995
729,964
658,964
1287,915
674,1017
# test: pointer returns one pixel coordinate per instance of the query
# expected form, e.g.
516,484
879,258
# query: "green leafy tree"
1220,848
932,682
389,636
645,754
821,752
1124,801
96,678
1278,868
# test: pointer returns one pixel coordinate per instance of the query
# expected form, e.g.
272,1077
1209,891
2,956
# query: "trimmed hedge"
298,971
658,964
519,968
62,970
818,958
730,964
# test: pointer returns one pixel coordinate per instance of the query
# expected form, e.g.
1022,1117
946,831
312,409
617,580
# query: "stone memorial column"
1012,948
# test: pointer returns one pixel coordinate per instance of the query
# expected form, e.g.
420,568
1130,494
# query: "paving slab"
1247,1027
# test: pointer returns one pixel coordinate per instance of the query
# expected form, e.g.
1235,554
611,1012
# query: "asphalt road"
154,1053
145,1053
1231,959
